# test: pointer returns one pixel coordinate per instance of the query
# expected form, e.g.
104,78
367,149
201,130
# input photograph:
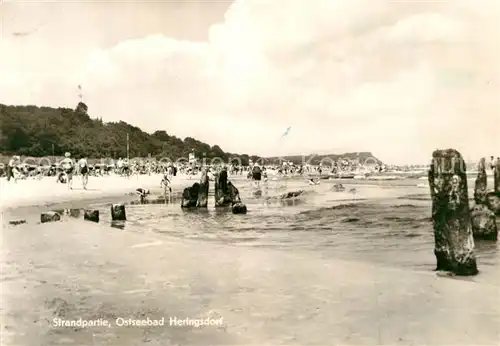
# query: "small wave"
336,207
350,219
417,197
412,235
398,218
400,206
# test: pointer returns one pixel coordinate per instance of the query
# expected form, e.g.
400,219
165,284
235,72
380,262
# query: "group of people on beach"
70,167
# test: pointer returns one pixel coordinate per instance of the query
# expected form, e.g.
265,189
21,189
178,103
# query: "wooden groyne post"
481,183
454,244
493,197
118,212
203,191
483,218
496,176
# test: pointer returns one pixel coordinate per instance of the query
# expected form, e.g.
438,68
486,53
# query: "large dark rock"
91,215
239,208
50,216
16,222
481,183
291,194
257,193
190,196
118,212
454,243
338,188
203,191
483,222
493,202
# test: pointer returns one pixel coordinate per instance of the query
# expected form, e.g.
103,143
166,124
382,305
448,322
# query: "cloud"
394,77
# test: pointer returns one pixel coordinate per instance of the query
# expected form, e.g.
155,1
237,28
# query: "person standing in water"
68,167
84,171
256,175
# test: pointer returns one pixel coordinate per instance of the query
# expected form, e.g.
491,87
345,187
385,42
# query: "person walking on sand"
12,171
84,171
68,167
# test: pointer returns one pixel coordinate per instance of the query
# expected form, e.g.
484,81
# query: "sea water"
385,223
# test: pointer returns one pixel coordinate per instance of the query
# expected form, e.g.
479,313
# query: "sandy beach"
45,192
74,270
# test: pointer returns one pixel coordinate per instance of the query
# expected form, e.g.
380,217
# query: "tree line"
45,131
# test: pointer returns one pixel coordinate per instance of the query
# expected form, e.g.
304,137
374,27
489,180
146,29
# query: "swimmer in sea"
314,182
142,193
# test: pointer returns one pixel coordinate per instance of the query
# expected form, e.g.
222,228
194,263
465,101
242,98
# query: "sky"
397,78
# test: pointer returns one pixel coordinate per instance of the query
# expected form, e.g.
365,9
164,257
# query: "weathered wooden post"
493,202
74,212
493,197
483,223
483,220
50,216
496,176
203,191
91,215
118,212
190,196
481,184
221,196
454,244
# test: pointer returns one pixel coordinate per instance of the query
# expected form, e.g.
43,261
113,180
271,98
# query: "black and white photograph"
249,172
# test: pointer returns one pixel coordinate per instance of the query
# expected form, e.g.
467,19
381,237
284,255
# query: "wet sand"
74,269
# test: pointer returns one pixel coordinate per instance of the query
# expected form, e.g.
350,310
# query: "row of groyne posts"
225,194
195,196
456,224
